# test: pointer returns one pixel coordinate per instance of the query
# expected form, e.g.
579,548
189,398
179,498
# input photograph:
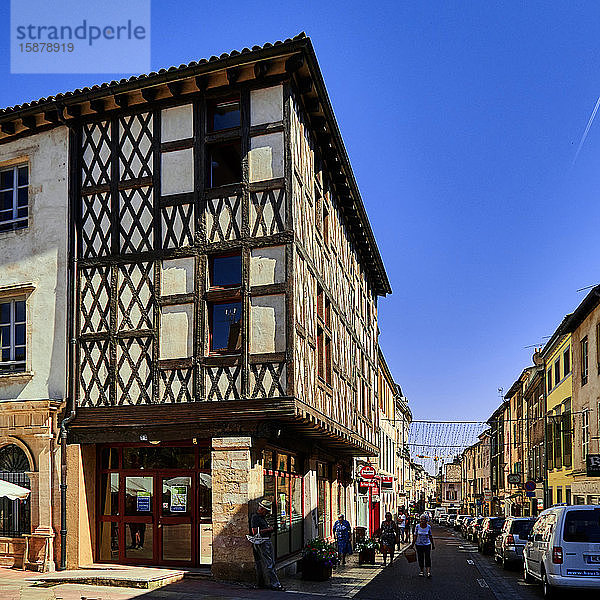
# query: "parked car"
458,522
451,520
509,545
465,525
490,530
474,527
443,520
563,549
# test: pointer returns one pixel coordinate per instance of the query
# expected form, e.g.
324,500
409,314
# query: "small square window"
223,114
224,163
225,327
226,271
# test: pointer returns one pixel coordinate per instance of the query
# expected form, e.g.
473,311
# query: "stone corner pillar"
237,480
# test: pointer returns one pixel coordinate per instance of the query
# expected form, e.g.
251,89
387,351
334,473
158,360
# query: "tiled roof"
147,78
357,216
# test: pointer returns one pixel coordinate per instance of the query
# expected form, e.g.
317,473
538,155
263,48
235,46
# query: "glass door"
176,531
138,519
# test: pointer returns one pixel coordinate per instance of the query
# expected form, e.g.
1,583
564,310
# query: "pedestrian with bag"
342,531
262,548
388,536
423,542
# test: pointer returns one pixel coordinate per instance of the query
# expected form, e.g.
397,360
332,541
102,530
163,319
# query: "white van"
563,549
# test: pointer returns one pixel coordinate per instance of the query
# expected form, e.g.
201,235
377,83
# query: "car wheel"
549,591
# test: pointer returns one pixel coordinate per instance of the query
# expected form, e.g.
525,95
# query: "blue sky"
461,121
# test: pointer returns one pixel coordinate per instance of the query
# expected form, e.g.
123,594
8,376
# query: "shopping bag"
410,555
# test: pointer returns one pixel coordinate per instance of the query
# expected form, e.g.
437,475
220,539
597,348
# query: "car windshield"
582,526
496,523
521,528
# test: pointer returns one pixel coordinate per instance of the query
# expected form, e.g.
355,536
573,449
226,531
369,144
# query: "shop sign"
387,483
514,478
592,464
143,501
540,504
369,484
487,495
179,498
367,472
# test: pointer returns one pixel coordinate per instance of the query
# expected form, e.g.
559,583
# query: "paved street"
459,572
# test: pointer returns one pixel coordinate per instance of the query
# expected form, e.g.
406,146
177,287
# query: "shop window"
14,514
12,336
225,324
14,190
284,488
223,114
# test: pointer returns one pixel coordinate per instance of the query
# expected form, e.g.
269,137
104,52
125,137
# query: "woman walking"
423,542
341,531
388,535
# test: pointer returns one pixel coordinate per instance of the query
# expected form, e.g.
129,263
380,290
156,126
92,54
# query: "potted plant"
366,551
318,558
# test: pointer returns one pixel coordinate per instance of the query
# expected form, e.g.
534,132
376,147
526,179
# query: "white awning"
12,491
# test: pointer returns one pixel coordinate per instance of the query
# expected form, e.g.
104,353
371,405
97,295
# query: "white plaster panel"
267,324
267,265
177,276
177,172
177,123
266,105
266,157
176,331
37,254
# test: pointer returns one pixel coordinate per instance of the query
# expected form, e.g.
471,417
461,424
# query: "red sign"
367,472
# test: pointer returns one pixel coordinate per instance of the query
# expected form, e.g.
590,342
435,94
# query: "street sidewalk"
346,582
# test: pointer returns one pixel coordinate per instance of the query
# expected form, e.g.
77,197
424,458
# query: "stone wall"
237,483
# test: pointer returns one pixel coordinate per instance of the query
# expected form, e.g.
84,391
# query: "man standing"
263,549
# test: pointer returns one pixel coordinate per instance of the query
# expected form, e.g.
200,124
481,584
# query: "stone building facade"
225,291
33,292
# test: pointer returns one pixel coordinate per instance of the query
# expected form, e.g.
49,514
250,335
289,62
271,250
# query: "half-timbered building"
225,286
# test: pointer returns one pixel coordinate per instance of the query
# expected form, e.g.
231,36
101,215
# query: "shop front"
154,504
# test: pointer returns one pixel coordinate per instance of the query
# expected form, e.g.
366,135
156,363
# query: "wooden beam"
73,110
8,127
312,105
51,116
201,82
262,68
305,85
175,88
149,94
97,105
294,63
122,100
233,75
29,122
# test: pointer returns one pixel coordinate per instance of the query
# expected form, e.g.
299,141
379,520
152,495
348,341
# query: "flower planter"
366,557
314,570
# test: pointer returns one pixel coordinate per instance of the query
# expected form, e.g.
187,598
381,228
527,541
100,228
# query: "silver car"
509,545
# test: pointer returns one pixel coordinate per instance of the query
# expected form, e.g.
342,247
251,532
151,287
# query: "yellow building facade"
558,368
